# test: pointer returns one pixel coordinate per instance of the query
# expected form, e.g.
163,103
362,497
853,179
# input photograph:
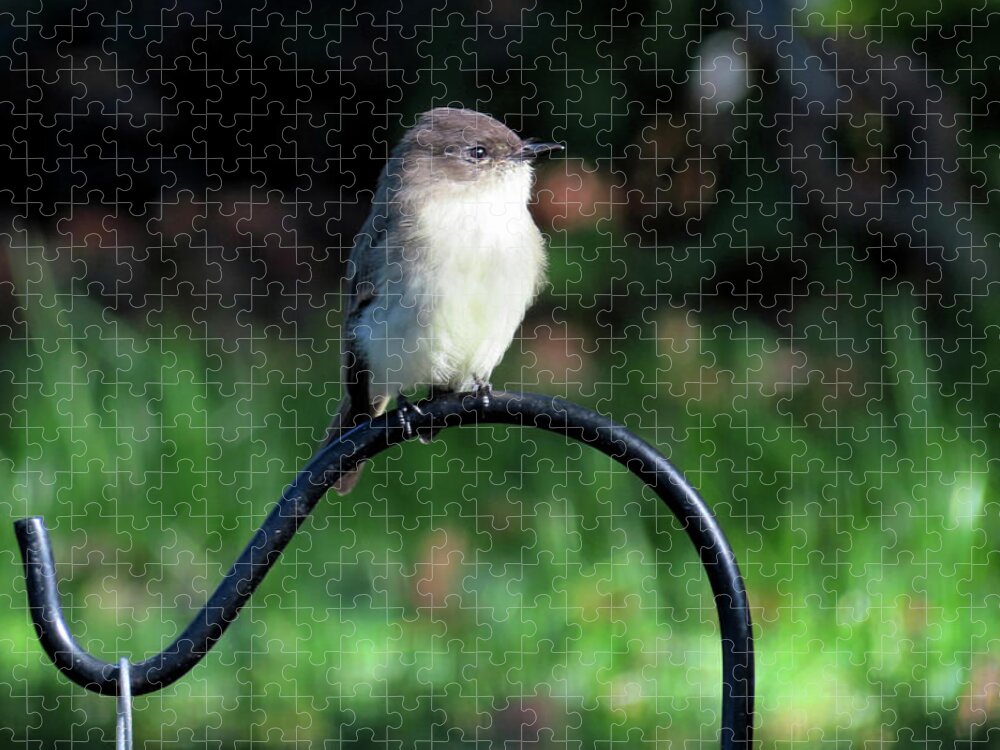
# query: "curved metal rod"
364,442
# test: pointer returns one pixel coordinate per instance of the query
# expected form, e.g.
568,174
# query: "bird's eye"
476,152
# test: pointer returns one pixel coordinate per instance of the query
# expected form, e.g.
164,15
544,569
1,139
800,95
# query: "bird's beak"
531,150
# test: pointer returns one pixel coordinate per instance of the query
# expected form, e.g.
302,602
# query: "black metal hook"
364,442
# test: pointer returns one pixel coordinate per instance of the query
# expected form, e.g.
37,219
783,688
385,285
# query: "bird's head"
466,147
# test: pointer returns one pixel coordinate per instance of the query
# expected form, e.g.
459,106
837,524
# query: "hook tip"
30,529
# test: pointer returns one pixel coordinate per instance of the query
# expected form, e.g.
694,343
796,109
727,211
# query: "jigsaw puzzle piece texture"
772,253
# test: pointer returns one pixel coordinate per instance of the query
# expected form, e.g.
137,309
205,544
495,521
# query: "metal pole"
365,442
123,718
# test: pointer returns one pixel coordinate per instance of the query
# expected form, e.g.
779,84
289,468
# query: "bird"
443,270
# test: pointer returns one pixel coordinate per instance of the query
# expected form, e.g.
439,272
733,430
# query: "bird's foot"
406,409
426,435
483,393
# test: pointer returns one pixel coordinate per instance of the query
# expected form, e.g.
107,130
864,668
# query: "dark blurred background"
224,153
773,242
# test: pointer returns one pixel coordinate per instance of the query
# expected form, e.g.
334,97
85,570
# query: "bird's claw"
483,393
406,409
428,435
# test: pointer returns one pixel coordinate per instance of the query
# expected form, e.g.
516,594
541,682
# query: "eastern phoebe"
444,268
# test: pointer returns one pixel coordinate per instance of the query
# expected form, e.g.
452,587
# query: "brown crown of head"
461,144
446,131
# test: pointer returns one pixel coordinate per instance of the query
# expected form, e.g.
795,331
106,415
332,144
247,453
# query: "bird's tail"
345,419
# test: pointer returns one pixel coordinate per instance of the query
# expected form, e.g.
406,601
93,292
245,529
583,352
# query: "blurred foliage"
503,584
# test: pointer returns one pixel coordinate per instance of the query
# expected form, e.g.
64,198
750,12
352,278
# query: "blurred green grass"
502,584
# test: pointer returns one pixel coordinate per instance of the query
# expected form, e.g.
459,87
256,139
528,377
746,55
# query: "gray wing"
370,255
365,277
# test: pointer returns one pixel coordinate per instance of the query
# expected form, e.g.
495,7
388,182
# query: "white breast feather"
460,309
